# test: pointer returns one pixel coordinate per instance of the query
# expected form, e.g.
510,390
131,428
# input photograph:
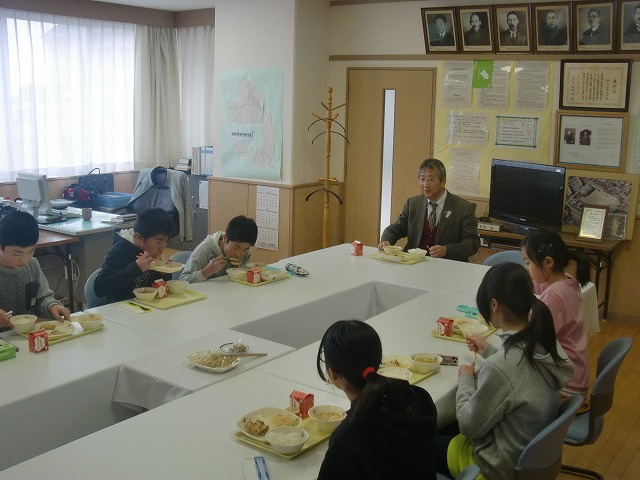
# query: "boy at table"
222,250
23,287
127,265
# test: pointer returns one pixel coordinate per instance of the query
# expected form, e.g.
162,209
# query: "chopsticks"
244,354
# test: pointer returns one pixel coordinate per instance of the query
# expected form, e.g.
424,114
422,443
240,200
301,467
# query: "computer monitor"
34,191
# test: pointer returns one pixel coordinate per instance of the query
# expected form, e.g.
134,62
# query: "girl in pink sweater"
546,256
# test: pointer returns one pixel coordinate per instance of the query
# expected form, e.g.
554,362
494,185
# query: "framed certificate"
595,85
593,221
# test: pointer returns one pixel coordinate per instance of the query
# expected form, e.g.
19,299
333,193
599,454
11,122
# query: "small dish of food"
146,294
23,323
89,321
392,249
287,440
237,273
326,418
234,347
257,423
210,361
55,329
425,362
177,287
395,372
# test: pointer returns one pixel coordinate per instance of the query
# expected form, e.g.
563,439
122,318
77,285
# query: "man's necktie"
432,215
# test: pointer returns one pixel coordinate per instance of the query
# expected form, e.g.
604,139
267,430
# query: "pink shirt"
564,299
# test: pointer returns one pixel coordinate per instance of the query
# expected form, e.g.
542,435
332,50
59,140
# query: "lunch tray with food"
62,331
260,421
269,277
172,300
459,337
400,257
400,361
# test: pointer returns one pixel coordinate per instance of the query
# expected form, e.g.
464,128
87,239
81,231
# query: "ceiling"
170,5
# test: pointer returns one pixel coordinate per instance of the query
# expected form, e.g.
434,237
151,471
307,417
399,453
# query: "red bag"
82,195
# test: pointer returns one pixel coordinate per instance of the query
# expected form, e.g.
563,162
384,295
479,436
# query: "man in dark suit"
478,33
514,35
552,33
632,32
437,221
597,33
443,37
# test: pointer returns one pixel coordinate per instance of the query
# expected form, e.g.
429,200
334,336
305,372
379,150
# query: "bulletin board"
492,109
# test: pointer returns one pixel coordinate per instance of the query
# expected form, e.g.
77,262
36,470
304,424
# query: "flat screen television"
526,195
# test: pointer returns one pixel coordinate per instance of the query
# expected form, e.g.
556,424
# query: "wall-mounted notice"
468,129
498,95
456,83
267,217
532,85
516,131
464,171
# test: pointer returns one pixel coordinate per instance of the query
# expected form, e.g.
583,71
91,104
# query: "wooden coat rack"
329,119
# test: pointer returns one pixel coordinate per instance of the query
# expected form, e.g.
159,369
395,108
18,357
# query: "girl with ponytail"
516,391
546,257
390,429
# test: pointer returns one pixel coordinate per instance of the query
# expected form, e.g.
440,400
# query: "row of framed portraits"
555,27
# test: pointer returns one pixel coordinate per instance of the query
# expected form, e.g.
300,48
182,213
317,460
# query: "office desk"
600,254
94,240
52,242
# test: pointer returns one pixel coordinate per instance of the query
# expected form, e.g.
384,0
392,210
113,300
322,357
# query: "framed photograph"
476,29
595,85
595,141
629,29
439,28
552,27
594,26
513,28
594,218
616,191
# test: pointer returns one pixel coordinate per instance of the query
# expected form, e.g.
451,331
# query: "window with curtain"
66,94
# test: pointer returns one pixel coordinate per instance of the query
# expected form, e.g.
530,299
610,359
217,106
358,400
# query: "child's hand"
476,343
59,312
5,320
467,369
214,266
144,261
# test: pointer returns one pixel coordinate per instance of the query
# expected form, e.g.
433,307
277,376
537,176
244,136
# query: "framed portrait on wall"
590,140
552,27
439,28
512,28
629,26
594,26
476,29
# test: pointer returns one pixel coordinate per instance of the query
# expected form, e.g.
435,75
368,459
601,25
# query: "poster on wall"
251,127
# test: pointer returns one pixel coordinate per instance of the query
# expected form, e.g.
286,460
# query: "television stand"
516,229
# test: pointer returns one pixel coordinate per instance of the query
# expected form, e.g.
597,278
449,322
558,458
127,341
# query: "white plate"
166,266
389,258
193,360
395,372
61,329
272,416
228,348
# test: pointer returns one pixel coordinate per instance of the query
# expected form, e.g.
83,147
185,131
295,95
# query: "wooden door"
412,142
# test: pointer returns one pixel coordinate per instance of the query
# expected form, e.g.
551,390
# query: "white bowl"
392,249
176,287
425,362
395,372
417,251
23,323
326,418
146,294
89,321
237,273
287,440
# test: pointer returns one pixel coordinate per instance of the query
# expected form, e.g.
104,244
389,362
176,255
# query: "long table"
193,434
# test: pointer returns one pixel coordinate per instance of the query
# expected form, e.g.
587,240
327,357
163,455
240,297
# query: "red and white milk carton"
356,248
300,403
38,341
253,276
444,326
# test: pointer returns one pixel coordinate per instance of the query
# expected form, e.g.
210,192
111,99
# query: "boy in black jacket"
127,264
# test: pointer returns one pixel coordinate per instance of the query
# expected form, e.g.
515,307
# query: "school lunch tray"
405,362
405,258
78,331
281,276
456,337
172,300
315,438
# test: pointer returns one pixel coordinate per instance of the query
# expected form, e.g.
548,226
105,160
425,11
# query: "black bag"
100,182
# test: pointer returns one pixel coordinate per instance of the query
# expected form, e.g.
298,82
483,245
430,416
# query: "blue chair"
542,457
180,257
512,256
90,296
469,473
586,427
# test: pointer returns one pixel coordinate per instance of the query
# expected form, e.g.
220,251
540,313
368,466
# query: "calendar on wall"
267,217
